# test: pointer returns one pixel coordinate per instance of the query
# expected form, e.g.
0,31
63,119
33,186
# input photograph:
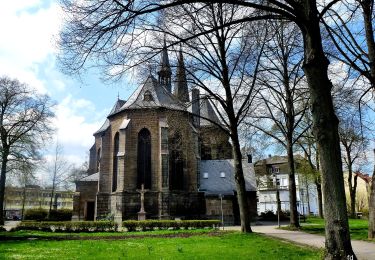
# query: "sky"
28,52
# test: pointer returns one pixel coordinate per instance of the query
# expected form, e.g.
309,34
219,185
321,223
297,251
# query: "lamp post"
221,208
303,207
278,199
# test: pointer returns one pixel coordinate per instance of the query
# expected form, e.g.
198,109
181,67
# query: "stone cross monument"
142,212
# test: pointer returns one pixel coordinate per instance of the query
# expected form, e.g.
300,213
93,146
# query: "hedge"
60,215
38,214
144,225
68,226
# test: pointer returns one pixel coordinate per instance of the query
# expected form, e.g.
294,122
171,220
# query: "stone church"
166,141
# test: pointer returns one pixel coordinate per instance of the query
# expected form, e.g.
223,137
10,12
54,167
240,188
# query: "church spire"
165,71
181,88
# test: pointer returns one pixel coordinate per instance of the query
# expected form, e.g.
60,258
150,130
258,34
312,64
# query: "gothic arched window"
115,162
176,163
98,160
144,159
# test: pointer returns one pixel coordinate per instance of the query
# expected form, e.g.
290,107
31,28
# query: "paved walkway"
363,250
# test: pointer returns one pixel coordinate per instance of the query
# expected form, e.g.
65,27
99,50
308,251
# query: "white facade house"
272,175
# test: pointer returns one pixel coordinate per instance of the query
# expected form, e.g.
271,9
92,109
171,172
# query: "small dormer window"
147,96
205,175
222,175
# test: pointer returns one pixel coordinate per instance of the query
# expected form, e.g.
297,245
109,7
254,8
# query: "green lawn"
226,245
358,227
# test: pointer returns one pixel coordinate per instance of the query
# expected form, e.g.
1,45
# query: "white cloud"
27,38
73,129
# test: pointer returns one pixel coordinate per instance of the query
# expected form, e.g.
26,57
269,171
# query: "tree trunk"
352,187
4,161
320,197
307,197
294,220
240,184
318,183
23,202
371,208
325,128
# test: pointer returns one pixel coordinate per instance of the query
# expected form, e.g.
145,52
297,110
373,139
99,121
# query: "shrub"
144,225
2,229
35,214
60,215
68,226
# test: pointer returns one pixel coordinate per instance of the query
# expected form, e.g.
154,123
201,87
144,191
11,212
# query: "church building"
167,142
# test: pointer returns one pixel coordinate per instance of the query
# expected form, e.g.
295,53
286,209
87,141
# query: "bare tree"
350,28
354,146
102,29
24,125
59,169
283,99
223,64
308,145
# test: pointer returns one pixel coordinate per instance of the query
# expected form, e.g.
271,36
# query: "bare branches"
24,126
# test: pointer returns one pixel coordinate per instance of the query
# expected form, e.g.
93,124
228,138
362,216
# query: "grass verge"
358,228
226,245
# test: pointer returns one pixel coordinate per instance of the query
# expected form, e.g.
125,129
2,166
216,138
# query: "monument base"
141,215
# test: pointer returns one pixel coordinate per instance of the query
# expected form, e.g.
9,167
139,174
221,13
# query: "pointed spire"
181,88
165,71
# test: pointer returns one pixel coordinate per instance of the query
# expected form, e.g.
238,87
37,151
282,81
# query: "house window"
147,96
222,175
205,175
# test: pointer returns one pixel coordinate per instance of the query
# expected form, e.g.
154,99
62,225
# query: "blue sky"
28,52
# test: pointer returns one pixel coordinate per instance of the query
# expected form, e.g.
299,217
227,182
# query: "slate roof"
119,103
92,177
207,111
160,97
215,184
277,159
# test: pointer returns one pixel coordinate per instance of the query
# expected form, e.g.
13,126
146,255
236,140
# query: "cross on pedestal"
142,212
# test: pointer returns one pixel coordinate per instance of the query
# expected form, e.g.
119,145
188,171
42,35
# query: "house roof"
215,184
92,177
160,97
207,111
277,159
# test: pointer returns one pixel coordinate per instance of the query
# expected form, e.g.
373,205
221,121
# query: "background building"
274,168
32,197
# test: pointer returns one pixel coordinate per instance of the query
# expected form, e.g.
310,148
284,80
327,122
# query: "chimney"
195,106
249,158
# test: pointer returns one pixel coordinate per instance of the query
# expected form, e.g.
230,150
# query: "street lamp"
278,199
303,207
221,208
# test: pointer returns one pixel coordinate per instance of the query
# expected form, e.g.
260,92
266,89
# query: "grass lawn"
358,227
222,245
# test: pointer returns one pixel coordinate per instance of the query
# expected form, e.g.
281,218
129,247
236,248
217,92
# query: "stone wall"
85,191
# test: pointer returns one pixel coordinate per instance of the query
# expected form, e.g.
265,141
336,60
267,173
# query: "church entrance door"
90,210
